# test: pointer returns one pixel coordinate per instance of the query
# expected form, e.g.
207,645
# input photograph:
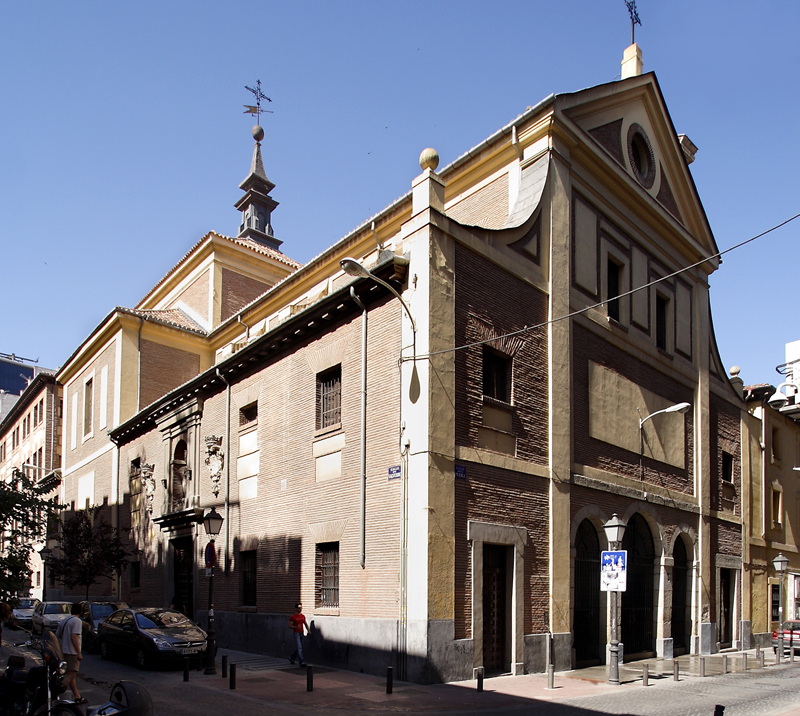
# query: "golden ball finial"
429,159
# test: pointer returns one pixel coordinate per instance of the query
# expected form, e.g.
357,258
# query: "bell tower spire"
256,205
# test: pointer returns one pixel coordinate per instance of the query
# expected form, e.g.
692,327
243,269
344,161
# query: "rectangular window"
327,575
614,271
135,574
662,313
776,444
35,415
727,467
88,389
248,562
776,507
329,398
496,375
248,415
38,579
775,601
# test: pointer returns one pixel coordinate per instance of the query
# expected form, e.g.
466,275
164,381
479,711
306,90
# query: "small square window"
496,375
248,415
327,575
329,398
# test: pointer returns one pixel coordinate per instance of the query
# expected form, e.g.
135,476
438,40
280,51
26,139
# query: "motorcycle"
35,691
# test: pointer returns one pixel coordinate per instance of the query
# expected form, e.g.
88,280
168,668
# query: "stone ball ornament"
429,159
258,133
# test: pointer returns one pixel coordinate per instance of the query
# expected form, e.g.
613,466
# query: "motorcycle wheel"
60,709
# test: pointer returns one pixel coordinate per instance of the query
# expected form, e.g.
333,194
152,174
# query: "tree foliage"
23,521
90,549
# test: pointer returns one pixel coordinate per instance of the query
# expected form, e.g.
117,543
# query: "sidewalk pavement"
267,679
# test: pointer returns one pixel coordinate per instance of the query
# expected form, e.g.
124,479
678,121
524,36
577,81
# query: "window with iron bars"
329,398
327,575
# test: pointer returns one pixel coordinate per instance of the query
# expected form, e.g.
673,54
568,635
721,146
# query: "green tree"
23,521
90,549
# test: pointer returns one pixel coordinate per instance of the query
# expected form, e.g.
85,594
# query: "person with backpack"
69,635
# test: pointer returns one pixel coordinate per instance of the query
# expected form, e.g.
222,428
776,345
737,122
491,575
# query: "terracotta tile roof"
172,317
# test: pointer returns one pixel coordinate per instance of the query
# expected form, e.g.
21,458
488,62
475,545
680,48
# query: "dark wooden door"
494,607
725,608
586,627
638,634
680,603
183,570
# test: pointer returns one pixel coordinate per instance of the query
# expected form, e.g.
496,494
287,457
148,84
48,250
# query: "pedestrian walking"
297,623
69,635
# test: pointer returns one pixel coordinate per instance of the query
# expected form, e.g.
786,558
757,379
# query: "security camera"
777,400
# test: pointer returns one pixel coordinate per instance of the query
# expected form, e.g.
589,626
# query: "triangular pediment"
628,125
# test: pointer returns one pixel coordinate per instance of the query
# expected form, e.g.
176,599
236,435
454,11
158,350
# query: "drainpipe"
227,468
363,501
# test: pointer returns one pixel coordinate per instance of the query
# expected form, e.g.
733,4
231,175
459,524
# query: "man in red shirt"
297,623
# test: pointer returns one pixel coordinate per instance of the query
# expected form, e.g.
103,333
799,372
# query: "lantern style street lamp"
615,531
212,522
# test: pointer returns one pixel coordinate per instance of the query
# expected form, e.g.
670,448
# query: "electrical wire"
593,306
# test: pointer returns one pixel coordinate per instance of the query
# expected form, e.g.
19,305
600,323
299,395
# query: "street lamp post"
615,530
45,553
780,563
213,524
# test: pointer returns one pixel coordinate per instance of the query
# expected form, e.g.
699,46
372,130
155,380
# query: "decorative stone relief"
215,459
149,485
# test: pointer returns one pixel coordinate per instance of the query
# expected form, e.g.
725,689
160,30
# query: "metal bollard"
389,679
480,679
761,659
309,678
780,650
224,666
186,668
676,670
724,663
233,677
719,710
551,676
702,666
744,662
645,674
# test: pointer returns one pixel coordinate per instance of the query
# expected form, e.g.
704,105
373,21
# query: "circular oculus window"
640,156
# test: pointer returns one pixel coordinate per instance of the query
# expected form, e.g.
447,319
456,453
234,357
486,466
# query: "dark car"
791,636
92,613
151,635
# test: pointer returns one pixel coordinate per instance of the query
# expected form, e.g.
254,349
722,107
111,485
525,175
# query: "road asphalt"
267,685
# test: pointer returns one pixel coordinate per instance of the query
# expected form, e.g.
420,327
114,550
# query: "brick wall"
162,369
504,497
238,291
596,453
488,298
196,295
725,434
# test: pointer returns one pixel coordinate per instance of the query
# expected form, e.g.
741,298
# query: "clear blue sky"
123,137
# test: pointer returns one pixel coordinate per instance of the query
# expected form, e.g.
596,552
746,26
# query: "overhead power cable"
527,329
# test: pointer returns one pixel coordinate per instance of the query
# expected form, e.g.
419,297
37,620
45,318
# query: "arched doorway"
586,620
680,598
637,621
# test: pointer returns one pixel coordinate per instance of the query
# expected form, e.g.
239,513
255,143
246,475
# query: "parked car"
92,613
23,612
48,615
150,635
791,636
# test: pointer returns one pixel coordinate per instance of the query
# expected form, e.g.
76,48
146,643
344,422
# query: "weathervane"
256,109
631,11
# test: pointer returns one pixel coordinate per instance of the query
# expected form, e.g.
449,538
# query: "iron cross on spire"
634,18
256,109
